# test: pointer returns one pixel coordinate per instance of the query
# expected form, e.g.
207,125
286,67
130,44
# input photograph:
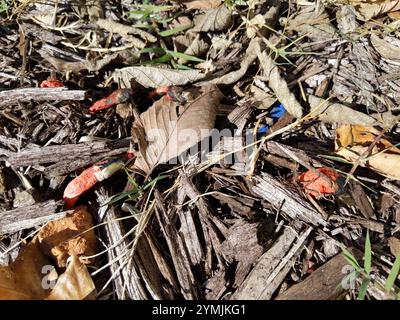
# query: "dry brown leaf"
31,277
196,48
190,43
216,19
372,9
313,23
352,141
22,280
338,113
249,57
394,244
127,31
278,84
395,15
167,129
385,48
65,237
260,98
74,284
154,77
72,62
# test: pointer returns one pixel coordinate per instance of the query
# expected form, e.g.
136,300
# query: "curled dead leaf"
167,129
69,236
216,19
154,77
385,48
278,84
127,31
352,141
371,9
338,113
249,57
314,23
68,62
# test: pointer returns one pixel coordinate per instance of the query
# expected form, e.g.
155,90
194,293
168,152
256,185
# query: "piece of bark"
190,237
217,285
149,269
12,250
62,168
244,244
323,283
241,206
362,201
57,153
10,97
295,154
273,266
28,217
287,200
127,282
188,283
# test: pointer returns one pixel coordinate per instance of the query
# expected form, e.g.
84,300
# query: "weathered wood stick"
66,152
324,283
273,266
40,94
289,201
28,217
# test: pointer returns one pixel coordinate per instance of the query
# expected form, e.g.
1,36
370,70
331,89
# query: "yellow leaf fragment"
353,141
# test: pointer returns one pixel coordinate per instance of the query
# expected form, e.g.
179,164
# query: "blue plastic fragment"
263,129
277,112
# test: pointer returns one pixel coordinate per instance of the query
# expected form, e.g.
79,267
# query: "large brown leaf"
22,279
167,129
30,277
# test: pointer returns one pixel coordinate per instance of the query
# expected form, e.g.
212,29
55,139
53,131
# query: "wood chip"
10,97
324,283
28,217
290,202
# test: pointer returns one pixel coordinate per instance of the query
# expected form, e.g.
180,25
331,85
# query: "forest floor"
199,149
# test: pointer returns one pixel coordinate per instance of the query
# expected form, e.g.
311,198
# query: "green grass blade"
338,159
363,289
131,179
154,181
162,59
151,8
180,55
170,32
393,274
367,255
352,260
170,18
4,5
156,50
